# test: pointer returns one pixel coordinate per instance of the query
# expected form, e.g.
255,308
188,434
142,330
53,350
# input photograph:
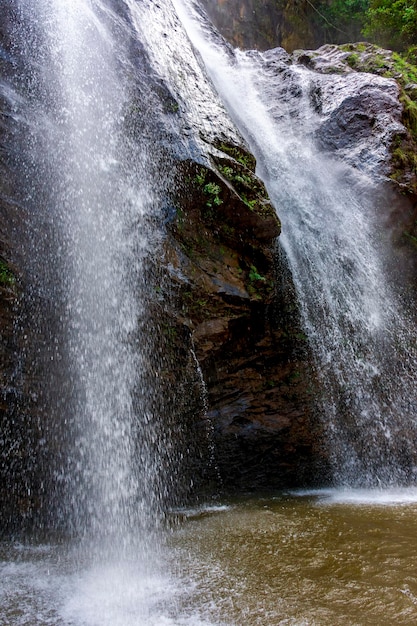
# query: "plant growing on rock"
255,275
392,23
7,278
213,191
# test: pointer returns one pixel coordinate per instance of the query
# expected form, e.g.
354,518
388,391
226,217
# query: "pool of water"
304,558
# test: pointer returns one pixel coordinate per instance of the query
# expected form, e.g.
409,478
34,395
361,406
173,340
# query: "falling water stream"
360,332
92,220
90,181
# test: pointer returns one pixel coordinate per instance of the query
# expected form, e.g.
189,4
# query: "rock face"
225,268
260,382
265,24
227,292
361,112
366,99
231,374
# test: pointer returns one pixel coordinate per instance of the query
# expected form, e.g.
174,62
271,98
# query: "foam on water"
50,588
369,497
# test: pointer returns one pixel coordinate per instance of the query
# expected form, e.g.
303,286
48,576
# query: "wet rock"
229,374
224,266
367,109
264,24
225,296
259,378
360,113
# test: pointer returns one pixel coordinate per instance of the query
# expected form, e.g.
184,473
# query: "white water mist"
101,200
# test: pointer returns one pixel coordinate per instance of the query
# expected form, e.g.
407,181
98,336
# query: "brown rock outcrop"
264,24
224,267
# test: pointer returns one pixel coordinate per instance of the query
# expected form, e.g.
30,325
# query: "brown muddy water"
306,558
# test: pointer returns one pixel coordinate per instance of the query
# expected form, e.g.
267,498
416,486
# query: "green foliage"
409,114
7,278
340,20
392,24
200,177
242,157
411,55
251,204
389,23
227,171
255,275
245,184
353,60
234,176
340,11
210,189
213,191
407,70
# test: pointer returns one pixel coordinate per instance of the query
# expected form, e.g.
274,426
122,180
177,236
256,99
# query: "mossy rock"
7,276
238,153
226,198
365,57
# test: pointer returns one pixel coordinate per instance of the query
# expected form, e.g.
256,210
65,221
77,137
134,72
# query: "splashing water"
82,96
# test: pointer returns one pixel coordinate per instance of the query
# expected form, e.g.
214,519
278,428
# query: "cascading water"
91,219
359,331
97,192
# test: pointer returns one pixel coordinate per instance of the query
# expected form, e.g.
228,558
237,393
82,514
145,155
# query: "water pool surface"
306,558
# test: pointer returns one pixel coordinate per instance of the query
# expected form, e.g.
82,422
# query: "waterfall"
92,224
359,330
95,151
100,101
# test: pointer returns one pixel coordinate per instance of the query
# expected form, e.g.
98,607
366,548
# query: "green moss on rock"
365,57
7,277
238,153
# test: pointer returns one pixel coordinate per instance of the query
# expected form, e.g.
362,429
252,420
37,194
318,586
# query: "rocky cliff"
230,373
227,295
366,97
235,300
242,317
265,24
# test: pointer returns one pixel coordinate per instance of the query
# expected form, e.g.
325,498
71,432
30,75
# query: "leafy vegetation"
237,153
392,24
212,190
389,23
235,176
254,274
407,70
7,278
340,19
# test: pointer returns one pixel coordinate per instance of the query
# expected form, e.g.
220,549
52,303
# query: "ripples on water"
324,557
